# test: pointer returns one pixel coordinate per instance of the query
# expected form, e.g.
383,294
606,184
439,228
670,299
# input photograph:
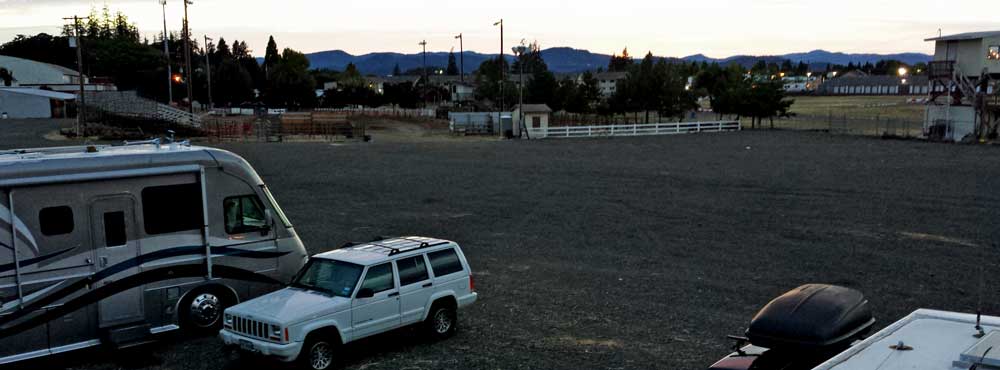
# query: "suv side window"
412,270
445,262
379,278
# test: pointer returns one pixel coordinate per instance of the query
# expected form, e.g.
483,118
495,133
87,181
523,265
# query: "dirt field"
631,253
887,107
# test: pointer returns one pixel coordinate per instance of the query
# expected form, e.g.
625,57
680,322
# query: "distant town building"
607,82
875,85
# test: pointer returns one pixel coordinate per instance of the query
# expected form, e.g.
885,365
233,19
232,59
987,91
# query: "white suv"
355,292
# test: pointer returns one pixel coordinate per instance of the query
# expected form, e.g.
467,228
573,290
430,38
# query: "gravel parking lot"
631,253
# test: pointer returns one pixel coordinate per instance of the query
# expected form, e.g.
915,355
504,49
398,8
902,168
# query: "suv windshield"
329,276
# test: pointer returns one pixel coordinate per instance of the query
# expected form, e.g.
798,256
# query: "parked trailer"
111,245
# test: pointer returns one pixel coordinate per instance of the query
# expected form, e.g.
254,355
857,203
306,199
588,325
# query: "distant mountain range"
569,60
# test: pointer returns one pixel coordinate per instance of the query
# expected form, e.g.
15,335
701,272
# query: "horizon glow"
716,28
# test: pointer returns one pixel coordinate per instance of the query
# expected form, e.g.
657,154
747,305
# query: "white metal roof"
965,36
39,92
379,250
937,340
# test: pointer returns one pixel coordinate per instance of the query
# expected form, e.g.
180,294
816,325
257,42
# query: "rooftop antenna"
939,32
982,282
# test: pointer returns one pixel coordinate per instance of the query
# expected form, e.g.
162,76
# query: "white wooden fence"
634,129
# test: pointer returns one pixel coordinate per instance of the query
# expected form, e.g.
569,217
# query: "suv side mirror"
365,293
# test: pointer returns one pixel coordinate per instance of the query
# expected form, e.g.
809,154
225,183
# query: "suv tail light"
472,284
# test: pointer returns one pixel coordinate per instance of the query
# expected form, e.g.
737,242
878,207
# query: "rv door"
116,245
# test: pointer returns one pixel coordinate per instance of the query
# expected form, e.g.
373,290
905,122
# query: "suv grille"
251,328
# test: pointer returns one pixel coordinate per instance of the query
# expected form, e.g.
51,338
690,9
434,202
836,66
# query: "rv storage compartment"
812,317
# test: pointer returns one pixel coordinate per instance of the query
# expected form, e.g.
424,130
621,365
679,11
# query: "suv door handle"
393,294
428,285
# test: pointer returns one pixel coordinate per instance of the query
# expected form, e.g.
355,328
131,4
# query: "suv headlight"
228,320
275,333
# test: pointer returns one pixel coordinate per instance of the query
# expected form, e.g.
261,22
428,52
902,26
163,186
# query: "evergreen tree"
620,63
396,71
452,69
271,56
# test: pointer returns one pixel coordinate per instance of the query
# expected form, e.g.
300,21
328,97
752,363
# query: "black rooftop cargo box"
812,317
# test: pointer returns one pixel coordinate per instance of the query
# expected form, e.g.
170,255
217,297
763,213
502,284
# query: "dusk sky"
717,28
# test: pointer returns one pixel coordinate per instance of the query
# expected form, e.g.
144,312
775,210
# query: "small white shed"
536,117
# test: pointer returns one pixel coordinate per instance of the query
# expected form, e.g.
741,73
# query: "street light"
461,56
519,53
902,71
503,73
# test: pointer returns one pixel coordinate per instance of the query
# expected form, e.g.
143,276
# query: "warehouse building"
23,102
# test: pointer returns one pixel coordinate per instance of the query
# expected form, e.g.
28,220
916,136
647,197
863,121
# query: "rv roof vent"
985,354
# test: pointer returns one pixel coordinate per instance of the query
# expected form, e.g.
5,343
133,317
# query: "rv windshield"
329,276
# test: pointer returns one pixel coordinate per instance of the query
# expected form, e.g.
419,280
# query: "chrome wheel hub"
205,310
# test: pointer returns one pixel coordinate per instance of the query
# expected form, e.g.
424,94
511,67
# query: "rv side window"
244,214
445,262
56,220
172,208
114,229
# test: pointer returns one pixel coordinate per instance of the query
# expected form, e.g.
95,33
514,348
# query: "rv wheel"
202,310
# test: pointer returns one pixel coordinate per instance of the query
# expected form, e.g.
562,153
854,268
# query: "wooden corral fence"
327,126
634,129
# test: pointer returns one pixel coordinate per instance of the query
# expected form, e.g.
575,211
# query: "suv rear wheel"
441,322
318,353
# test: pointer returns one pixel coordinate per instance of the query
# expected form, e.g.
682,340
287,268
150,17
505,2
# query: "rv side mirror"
365,293
268,223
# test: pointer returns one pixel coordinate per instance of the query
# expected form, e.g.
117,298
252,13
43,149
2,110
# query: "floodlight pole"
187,58
208,71
166,54
424,44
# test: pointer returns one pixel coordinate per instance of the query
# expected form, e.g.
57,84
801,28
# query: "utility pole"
424,44
461,56
166,54
503,72
208,70
81,110
187,58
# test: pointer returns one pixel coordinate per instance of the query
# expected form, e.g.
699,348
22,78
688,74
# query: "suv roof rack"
399,245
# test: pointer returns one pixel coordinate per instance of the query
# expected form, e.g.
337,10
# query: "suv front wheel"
318,354
441,322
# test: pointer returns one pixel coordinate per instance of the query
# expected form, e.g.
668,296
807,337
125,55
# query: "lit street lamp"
902,71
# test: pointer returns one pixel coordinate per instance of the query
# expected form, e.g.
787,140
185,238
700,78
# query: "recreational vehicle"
112,245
